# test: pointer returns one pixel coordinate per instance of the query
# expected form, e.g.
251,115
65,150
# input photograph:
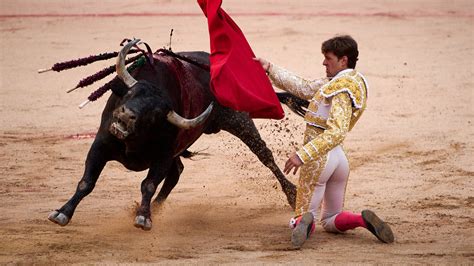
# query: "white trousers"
330,189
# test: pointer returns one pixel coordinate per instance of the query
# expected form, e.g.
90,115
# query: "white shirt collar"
342,72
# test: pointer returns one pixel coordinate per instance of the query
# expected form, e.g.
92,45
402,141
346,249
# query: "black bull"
140,128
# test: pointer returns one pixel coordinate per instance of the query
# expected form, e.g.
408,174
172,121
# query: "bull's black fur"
153,144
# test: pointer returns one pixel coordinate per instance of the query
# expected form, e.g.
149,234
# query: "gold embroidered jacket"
335,107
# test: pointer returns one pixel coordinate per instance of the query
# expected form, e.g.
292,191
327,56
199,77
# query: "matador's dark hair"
343,45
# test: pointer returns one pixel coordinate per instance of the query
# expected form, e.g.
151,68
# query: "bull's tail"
187,154
190,154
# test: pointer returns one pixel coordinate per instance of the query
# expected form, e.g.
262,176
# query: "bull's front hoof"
142,222
58,218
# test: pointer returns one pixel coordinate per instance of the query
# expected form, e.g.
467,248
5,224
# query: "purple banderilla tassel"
83,61
107,86
101,74
100,91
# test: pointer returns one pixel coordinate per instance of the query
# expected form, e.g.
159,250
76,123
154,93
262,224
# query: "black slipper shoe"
377,227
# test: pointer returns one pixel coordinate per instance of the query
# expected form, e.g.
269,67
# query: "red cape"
237,81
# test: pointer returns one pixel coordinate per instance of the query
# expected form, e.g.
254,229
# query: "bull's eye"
133,117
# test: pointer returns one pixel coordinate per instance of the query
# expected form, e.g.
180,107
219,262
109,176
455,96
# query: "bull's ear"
118,87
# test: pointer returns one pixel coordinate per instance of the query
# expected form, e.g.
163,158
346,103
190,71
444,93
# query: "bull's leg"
155,175
242,126
170,181
95,162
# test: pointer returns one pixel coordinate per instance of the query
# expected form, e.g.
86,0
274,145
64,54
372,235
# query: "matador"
335,105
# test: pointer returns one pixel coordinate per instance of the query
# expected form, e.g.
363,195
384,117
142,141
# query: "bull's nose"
123,123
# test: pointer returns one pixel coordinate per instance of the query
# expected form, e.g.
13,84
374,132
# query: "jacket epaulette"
346,83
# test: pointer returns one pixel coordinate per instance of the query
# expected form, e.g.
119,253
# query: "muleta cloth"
237,81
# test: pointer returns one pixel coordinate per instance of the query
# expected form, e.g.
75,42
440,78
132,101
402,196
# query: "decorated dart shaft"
82,61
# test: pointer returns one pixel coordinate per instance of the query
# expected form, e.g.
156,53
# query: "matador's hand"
292,162
265,64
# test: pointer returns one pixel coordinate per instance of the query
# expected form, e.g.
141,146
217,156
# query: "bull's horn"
120,66
184,123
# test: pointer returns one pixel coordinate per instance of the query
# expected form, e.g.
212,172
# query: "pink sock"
347,220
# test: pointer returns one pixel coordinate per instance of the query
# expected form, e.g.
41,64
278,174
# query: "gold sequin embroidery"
300,87
347,84
338,125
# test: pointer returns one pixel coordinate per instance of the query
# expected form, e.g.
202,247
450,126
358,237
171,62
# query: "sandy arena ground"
411,153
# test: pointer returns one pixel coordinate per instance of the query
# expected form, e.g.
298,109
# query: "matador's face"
334,64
